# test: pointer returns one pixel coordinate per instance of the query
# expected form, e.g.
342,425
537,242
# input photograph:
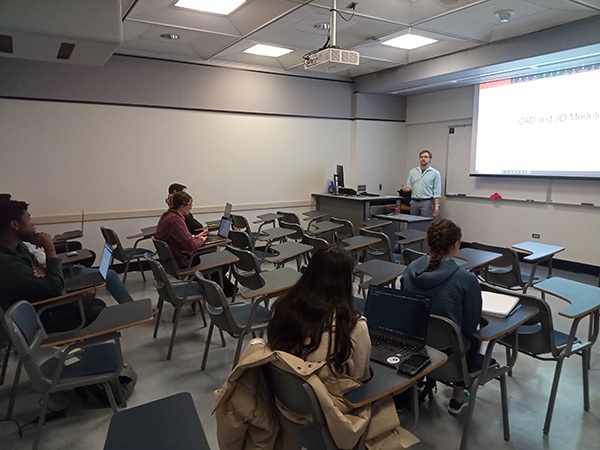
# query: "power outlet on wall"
535,235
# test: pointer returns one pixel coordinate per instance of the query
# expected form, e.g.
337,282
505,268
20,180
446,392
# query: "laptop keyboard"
395,345
83,281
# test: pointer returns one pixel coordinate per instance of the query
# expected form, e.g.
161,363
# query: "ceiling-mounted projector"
331,60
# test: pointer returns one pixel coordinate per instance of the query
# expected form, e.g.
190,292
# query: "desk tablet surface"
171,422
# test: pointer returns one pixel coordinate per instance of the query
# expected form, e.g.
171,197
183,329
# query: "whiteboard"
459,183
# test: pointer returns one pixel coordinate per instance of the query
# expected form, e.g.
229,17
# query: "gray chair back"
240,223
166,258
444,335
288,217
298,231
345,232
111,238
246,271
505,271
217,306
26,333
297,396
162,282
409,255
316,242
240,239
381,250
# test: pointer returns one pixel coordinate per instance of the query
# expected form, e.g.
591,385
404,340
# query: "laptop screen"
227,210
105,261
224,227
398,313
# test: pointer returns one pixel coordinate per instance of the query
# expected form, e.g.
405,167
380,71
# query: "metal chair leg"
503,394
175,323
5,362
206,347
553,391
157,318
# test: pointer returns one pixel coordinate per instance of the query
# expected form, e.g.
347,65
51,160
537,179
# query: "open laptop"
398,322
223,233
91,279
74,234
211,224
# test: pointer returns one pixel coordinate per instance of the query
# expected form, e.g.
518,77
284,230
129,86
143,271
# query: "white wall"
504,222
75,138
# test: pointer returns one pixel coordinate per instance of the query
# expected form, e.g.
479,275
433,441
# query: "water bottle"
331,187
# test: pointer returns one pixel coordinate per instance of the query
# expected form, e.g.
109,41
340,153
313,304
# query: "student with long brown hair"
455,292
316,320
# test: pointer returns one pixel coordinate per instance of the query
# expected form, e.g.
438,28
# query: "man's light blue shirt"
426,184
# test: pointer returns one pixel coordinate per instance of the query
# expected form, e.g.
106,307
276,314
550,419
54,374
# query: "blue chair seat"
191,289
95,359
241,314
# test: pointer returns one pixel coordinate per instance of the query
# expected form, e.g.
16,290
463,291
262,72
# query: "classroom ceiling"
457,25
470,34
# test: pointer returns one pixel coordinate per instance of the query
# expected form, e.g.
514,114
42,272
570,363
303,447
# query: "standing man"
425,185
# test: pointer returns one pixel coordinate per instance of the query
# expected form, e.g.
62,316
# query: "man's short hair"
426,151
11,210
4,197
176,187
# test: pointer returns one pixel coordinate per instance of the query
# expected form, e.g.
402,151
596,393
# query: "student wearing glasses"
172,229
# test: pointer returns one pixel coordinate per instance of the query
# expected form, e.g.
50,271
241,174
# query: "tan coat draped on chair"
245,409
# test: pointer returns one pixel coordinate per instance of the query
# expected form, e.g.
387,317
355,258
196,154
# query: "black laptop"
398,322
88,280
223,233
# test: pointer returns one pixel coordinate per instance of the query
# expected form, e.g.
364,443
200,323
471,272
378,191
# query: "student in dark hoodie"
455,292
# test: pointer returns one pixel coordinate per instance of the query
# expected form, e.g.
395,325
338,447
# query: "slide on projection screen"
545,125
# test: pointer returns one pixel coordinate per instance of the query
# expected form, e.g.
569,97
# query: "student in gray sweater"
455,292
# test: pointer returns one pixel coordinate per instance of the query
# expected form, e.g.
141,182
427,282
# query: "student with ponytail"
455,292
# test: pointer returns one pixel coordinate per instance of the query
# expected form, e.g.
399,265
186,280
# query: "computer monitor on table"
339,176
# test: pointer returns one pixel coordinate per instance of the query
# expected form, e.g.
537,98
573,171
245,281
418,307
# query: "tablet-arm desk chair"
346,231
381,250
177,294
504,271
53,370
539,339
445,335
237,319
297,396
125,255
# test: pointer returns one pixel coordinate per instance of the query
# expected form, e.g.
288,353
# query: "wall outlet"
535,235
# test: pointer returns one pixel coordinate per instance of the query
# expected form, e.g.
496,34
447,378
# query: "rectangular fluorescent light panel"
222,7
267,50
409,41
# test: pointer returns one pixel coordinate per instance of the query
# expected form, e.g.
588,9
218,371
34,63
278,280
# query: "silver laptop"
223,233
398,322
88,280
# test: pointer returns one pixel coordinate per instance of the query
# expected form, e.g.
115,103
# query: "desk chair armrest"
67,295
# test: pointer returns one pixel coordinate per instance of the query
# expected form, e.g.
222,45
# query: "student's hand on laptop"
202,235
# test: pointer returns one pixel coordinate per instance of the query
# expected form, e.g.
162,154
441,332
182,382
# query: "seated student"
316,320
456,293
23,278
172,229
192,224
316,333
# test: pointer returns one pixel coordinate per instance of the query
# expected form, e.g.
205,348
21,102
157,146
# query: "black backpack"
122,389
